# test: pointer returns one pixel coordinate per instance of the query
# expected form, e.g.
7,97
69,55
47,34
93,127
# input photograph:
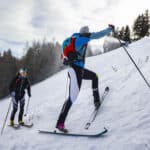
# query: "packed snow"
125,111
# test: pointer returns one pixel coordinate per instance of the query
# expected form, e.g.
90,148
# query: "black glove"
66,61
112,27
125,43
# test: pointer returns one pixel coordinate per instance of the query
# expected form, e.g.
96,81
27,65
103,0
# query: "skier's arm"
81,41
100,34
11,86
85,38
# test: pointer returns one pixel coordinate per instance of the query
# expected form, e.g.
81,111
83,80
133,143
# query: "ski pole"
27,107
134,63
4,123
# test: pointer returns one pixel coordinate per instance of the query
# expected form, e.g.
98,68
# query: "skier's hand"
13,94
66,61
112,27
125,43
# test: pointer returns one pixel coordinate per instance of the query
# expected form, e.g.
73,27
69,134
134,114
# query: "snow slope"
125,112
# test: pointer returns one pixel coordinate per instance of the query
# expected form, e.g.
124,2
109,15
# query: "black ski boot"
97,101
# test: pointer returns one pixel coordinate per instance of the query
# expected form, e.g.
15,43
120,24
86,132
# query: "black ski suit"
17,91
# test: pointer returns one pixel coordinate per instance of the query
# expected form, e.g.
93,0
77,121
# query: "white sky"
28,20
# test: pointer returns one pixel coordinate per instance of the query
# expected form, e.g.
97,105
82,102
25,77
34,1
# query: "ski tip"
107,88
15,126
86,128
106,130
87,125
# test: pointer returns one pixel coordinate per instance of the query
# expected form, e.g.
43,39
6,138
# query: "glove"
112,26
66,62
126,43
13,94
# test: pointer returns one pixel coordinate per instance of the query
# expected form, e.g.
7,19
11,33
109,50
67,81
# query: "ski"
95,112
15,126
27,125
74,134
63,130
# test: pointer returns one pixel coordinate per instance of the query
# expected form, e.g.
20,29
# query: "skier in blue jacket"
76,60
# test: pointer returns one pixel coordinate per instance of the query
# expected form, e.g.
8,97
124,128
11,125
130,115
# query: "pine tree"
121,33
141,25
136,28
147,22
126,36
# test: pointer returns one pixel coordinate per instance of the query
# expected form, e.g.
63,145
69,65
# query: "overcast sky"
28,20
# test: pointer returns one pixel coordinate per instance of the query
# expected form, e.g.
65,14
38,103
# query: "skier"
17,92
74,49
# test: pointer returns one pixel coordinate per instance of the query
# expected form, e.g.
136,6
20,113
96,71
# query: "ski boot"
11,123
21,123
97,102
61,127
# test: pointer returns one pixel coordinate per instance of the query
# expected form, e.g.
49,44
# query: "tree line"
41,60
140,28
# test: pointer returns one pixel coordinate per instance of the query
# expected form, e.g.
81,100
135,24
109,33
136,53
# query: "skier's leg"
14,110
63,114
89,75
22,103
74,87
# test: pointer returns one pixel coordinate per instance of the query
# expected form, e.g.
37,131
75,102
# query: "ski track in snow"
125,111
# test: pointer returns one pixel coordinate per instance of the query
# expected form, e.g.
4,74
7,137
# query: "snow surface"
125,111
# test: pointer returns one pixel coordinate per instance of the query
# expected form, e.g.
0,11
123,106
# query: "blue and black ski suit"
77,72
